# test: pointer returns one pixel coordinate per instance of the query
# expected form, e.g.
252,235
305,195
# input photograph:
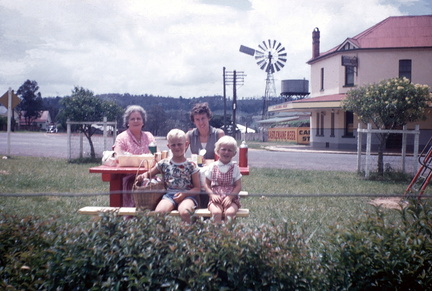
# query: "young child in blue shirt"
181,177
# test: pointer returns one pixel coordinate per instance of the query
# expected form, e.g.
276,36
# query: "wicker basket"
148,196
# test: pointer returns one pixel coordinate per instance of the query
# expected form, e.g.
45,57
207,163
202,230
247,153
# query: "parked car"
52,129
229,129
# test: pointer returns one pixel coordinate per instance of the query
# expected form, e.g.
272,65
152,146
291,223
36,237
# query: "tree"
388,104
52,104
156,117
32,103
83,106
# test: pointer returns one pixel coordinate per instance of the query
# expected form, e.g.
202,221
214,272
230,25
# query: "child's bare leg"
185,208
164,206
230,212
216,211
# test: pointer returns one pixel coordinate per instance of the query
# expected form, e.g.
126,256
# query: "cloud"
168,47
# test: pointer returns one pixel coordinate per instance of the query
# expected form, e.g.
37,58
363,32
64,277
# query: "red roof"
394,32
43,118
402,31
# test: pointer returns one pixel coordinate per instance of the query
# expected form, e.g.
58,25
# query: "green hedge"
153,253
377,253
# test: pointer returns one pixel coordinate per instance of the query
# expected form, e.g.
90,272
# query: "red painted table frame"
114,175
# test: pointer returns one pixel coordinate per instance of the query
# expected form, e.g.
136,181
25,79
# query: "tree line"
164,113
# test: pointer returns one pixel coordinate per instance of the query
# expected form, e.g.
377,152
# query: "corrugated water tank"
295,86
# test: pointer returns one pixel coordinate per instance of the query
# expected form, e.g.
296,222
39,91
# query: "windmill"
271,58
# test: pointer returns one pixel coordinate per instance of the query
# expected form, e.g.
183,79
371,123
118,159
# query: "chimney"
315,43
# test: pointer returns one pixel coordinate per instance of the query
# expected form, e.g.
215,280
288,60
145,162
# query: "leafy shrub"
376,254
156,252
23,256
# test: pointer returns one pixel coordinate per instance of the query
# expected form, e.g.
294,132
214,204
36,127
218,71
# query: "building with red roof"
40,123
396,47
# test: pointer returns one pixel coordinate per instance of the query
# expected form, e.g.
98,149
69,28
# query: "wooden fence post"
368,149
359,145
81,144
416,148
69,142
404,144
105,132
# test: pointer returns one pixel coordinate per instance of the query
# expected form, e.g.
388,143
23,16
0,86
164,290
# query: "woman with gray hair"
133,141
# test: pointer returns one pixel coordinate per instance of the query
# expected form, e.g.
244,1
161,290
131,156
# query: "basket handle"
139,167
148,167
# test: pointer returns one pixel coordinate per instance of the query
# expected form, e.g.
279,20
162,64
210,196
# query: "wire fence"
102,139
80,146
392,163
394,160
259,195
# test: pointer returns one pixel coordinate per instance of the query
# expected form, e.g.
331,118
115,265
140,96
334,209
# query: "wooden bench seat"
243,194
96,210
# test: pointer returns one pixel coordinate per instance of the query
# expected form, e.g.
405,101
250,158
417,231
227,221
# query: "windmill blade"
265,45
282,60
274,43
260,56
282,55
247,50
270,45
263,65
278,46
280,64
281,50
263,49
270,68
261,62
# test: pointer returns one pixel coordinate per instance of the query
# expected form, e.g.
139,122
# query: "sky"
171,47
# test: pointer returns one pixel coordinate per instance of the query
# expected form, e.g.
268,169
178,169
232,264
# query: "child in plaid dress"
223,181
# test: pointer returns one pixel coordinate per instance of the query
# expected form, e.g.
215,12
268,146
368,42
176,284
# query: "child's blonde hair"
226,140
176,133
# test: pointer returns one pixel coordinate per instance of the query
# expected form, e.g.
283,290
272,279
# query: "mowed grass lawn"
312,200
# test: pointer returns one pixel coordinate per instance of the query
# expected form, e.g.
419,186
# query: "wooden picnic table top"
102,169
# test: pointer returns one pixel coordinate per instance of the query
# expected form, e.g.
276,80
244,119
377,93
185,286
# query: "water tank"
295,87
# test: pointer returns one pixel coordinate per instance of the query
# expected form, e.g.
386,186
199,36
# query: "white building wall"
377,65
373,66
332,68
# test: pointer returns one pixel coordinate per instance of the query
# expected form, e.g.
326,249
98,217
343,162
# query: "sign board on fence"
15,100
300,135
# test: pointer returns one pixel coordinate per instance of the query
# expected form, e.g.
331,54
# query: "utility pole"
224,96
234,104
236,79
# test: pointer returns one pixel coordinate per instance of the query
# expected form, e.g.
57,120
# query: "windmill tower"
270,57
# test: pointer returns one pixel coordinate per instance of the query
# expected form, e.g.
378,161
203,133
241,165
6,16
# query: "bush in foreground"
377,254
161,253
152,253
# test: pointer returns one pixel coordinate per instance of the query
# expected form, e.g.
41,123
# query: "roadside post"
9,100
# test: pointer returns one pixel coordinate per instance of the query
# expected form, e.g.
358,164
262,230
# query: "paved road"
55,145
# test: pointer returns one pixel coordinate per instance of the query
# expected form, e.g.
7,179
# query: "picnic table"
114,175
